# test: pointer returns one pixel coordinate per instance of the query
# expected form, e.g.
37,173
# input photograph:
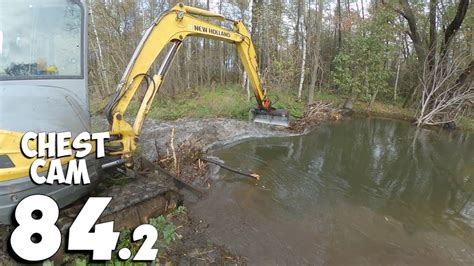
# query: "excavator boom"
172,29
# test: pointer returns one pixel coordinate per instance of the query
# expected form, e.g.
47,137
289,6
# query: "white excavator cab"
43,88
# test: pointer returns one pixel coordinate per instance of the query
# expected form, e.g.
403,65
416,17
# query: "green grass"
385,110
231,102
466,123
329,97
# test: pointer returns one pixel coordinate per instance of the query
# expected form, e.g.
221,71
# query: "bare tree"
104,80
303,60
316,50
444,96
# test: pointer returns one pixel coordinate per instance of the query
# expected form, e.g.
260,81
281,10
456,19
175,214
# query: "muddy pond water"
359,191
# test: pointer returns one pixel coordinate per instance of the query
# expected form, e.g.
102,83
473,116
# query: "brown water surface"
360,191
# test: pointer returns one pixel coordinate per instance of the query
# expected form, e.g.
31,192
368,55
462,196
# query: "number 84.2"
37,237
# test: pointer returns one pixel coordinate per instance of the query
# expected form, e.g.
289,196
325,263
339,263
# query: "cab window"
40,39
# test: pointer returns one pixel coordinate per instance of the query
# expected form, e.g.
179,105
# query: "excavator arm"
172,29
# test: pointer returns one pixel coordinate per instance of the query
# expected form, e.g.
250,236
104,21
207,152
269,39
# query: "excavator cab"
43,88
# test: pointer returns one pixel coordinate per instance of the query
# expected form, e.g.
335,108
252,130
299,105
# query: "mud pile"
205,133
177,146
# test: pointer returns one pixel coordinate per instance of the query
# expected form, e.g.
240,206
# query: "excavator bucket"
277,117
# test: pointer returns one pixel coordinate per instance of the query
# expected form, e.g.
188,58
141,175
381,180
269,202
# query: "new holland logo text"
211,31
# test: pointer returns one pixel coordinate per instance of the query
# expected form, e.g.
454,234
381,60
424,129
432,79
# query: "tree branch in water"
251,175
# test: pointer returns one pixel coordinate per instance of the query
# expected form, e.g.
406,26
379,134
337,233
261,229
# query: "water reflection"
348,189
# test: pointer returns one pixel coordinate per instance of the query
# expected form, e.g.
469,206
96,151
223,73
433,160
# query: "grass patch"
225,101
466,123
385,110
329,97
231,102
228,102
221,102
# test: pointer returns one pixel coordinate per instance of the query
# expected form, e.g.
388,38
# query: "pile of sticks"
186,161
314,114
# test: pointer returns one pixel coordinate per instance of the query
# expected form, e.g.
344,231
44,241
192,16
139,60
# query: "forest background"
409,59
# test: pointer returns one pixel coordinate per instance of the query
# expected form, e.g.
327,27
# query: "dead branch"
252,175
443,97
173,150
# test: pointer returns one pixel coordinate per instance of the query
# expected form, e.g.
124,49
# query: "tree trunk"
373,98
339,18
255,14
207,54
396,79
433,31
407,13
455,24
221,53
317,52
303,62
104,78
297,25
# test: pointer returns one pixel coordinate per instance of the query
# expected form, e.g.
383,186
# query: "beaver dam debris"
181,161
315,113
185,162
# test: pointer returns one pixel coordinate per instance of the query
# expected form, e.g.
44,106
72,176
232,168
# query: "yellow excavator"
43,85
